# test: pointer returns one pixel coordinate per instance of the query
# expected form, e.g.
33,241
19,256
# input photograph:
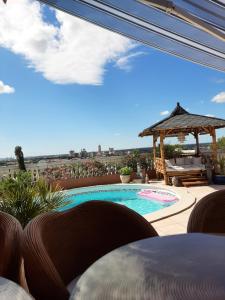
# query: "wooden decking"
190,181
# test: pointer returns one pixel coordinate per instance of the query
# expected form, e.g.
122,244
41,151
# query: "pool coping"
186,200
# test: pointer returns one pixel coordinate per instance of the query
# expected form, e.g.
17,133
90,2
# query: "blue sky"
88,93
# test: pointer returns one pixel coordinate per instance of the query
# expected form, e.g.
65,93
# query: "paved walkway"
178,223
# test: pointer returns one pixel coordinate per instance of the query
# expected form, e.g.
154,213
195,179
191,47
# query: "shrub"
144,160
172,151
221,162
125,171
221,143
25,199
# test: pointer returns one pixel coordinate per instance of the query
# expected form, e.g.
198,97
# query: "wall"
88,181
71,183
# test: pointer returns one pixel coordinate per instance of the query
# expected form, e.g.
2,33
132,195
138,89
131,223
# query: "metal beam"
170,8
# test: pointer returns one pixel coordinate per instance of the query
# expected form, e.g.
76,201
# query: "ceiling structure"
191,29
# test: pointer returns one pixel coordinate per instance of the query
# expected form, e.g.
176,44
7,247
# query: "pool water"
125,196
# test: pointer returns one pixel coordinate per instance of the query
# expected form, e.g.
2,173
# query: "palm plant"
25,199
20,158
222,165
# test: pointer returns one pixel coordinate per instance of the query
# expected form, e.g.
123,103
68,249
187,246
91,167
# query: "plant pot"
125,178
219,179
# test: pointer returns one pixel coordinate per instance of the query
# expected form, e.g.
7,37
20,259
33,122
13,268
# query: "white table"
180,267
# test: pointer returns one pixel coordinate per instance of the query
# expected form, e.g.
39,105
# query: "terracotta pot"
125,178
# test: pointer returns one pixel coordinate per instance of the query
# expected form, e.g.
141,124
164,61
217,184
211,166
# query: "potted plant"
220,178
125,173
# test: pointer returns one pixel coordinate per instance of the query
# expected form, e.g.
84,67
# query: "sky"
66,84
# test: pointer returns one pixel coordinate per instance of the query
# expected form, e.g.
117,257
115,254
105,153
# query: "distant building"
111,151
83,153
91,154
72,153
99,153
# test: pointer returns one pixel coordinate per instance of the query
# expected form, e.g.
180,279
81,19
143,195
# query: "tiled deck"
178,223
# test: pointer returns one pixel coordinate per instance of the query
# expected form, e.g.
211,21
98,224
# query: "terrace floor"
178,224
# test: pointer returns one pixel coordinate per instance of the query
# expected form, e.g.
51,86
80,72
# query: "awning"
191,29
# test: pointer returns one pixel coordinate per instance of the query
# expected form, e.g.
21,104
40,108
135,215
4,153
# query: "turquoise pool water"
124,195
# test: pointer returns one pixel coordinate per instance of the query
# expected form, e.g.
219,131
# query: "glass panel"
154,27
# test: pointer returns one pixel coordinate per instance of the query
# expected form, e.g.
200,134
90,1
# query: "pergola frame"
186,123
167,133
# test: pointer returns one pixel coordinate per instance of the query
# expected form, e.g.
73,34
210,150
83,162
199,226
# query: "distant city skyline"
66,83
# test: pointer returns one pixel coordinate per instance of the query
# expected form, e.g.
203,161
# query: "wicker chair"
208,216
11,232
60,246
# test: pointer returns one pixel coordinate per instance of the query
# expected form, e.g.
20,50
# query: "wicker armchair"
11,266
208,216
60,246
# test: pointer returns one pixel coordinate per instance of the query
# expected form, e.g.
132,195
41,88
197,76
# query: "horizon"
56,95
96,151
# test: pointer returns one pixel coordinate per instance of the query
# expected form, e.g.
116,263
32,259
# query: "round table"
187,266
9,290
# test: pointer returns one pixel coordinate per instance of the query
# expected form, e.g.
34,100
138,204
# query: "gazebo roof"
182,121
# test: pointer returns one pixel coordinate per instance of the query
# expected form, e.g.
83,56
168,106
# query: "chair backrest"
10,248
60,246
208,215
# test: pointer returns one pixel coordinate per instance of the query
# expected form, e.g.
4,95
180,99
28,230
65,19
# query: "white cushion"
168,163
178,168
180,161
197,161
186,168
188,160
200,166
172,160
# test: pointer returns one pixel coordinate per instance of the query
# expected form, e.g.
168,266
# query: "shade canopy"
182,121
191,29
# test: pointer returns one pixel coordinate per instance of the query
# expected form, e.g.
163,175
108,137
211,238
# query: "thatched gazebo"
181,123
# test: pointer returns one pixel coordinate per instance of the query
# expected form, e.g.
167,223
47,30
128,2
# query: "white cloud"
219,98
124,62
75,51
210,115
164,113
219,80
6,89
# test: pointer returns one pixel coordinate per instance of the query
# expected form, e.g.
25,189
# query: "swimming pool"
128,195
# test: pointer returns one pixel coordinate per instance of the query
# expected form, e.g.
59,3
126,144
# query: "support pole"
154,156
163,157
154,148
197,143
214,145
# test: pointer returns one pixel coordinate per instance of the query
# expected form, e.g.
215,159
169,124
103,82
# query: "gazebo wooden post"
154,147
214,145
154,153
197,143
162,135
